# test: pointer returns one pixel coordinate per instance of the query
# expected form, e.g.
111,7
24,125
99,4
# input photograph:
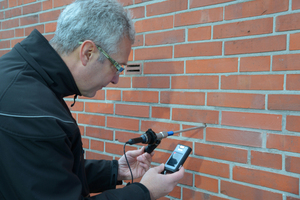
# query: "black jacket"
41,155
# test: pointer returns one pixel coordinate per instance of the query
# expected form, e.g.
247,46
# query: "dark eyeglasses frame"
115,63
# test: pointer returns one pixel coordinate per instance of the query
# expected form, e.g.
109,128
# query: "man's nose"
115,79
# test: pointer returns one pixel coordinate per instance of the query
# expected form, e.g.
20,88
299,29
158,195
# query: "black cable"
128,162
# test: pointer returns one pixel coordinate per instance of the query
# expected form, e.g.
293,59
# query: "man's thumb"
160,168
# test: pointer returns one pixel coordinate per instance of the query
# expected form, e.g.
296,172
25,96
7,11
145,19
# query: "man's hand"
160,185
139,162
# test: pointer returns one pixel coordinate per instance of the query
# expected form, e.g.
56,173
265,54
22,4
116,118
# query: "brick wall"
234,65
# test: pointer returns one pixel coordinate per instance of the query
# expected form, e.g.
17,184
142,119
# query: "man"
40,143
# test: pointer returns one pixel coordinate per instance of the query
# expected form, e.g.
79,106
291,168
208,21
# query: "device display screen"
174,159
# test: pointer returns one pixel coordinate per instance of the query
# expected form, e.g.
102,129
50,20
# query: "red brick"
187,179
199,33
97,145
255,8
195,82
256,45
14,42
49,16
128,2
40,28
7,34
166,7
139,41
266,179
176,192
231,136
199,17
189,194
2,52
141,96
4,4
252,120
247,193
91,119
286,62
123,123
206,183
50,27
99,133
283,142
19,32
137,12
132,110
200,3
252,82
294,41
197,133
288,22
244,28
59,3
124,82
284,102
27,1
12,3
103,108
10,23
236,100
292,164
296,4
117,148
293,123
253,64
33,19
97,156
160,112
183,98
265,159
171,67
221,152
218,65
32,8
151,82
193,115
292,198
4,44
78,106
114,95
47,5
167,37
159,127
154,24
13,12
153,53
207,167
198,49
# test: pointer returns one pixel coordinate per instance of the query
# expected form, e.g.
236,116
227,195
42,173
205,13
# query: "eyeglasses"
115,63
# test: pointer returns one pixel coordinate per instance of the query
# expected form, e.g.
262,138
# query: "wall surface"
234,65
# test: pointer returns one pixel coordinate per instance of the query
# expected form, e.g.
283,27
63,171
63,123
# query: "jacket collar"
38,47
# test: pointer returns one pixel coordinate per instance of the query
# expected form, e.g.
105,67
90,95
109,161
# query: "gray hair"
105,22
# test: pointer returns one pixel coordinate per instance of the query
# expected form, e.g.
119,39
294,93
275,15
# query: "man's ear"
87,50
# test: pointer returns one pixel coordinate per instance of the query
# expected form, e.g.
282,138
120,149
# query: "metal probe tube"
189,129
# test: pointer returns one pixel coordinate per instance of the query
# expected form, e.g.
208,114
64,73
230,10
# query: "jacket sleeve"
135,191
102,176
35,168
